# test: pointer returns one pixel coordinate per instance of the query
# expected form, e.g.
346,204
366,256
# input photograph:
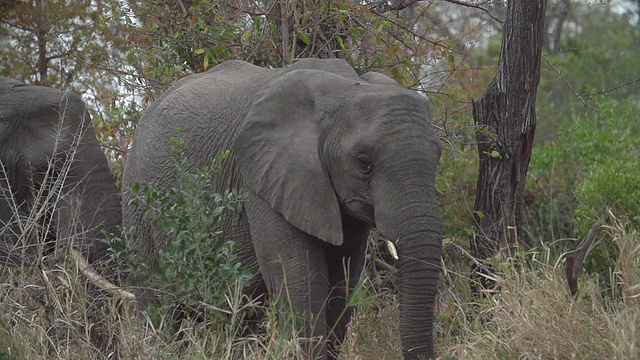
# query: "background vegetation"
120,55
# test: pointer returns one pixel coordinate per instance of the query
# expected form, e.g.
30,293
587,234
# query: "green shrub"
197,265
584,148
614,185
589,168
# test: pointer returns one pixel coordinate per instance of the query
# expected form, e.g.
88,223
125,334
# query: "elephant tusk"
392,249
90,273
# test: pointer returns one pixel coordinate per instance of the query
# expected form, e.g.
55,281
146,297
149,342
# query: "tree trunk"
41,38
506,122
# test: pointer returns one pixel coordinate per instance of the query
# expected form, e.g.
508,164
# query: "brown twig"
478,7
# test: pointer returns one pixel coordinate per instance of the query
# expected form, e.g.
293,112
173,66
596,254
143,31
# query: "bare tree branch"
384,6
564,80
604,91
589,96
475,6
413,33
576,258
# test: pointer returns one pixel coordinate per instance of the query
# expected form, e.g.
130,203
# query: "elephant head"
322,146
54,169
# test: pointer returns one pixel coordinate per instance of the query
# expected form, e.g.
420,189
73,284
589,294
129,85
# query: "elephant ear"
277,153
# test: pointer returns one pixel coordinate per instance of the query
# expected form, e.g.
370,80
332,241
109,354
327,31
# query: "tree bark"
506,122
41,38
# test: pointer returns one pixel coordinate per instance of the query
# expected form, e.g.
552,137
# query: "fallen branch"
576,258
92,275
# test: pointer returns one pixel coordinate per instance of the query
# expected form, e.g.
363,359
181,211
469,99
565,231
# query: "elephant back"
205,110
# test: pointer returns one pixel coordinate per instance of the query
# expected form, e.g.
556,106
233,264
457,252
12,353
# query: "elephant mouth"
356,206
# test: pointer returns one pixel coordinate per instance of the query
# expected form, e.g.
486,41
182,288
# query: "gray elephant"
53,171
327,155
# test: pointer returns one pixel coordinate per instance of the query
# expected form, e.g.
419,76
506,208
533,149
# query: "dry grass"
55,314
535,317
51,312
373,332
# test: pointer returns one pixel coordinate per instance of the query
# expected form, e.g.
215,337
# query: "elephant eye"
365,164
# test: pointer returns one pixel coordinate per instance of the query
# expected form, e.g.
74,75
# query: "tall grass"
51,312
535,317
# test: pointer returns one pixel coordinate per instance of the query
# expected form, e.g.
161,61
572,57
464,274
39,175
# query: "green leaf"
199,51
305,38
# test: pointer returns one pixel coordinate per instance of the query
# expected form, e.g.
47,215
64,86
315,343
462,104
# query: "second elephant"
327,155
55,181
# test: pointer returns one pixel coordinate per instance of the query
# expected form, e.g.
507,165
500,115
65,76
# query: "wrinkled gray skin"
327,155
38,124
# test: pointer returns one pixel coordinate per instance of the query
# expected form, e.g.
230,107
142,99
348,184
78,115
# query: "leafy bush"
613,184
197,265
590,168
584,148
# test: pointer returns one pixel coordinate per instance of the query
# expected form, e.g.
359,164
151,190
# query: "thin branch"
564,80
412,32
587,95
57,56
466,254
247,11
478,7
604,91
384,6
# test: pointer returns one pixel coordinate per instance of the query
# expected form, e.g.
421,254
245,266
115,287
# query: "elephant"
54,172
326,155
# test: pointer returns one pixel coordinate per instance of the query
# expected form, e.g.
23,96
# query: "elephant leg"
294,268
236,228
345,264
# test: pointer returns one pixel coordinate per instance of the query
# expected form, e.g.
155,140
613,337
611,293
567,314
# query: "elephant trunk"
414,224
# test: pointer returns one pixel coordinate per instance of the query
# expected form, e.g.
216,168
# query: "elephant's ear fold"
277,153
